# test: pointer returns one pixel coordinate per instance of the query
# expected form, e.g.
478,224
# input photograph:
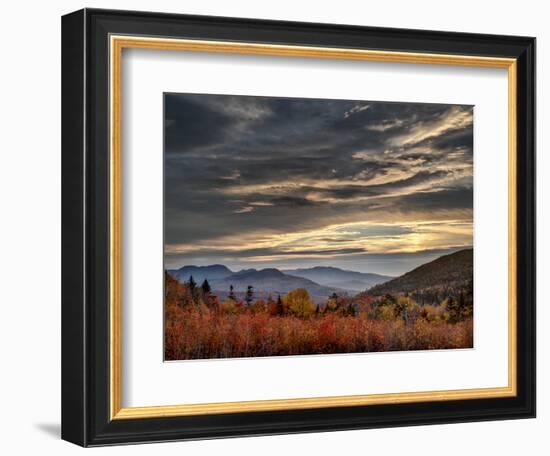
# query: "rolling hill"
339,278
449,271
269,281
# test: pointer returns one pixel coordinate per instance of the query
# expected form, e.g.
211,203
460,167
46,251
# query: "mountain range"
319,281
270,280
339,278
449,271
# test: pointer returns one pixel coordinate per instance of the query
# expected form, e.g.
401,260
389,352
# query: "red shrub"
198,333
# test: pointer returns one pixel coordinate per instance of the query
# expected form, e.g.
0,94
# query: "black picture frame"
85,224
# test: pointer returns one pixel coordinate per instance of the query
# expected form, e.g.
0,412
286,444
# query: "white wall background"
30,192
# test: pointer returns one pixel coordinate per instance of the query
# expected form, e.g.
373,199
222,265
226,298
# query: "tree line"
452,305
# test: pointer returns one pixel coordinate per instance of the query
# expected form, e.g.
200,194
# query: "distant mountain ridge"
449,271
199,273
339,278
269,280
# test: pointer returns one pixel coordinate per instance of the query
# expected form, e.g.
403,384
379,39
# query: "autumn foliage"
198,326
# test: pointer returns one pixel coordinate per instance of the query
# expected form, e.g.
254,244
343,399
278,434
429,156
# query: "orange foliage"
198,333
198,326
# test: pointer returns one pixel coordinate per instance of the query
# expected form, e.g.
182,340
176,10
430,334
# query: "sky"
257,182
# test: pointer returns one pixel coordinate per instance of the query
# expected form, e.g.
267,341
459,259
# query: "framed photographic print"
276,227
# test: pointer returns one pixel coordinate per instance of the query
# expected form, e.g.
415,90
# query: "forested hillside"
449,275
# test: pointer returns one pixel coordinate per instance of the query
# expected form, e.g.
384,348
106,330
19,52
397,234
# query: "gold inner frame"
117,44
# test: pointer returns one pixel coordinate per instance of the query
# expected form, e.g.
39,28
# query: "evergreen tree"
249,295
280,307
192,288
206,287
453,308
231,294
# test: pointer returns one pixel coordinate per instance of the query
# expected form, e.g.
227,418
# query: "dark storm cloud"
291,201
457,139
258,167
357,190
269,252
189,124
448,198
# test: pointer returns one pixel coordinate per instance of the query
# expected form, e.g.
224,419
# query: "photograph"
298,226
